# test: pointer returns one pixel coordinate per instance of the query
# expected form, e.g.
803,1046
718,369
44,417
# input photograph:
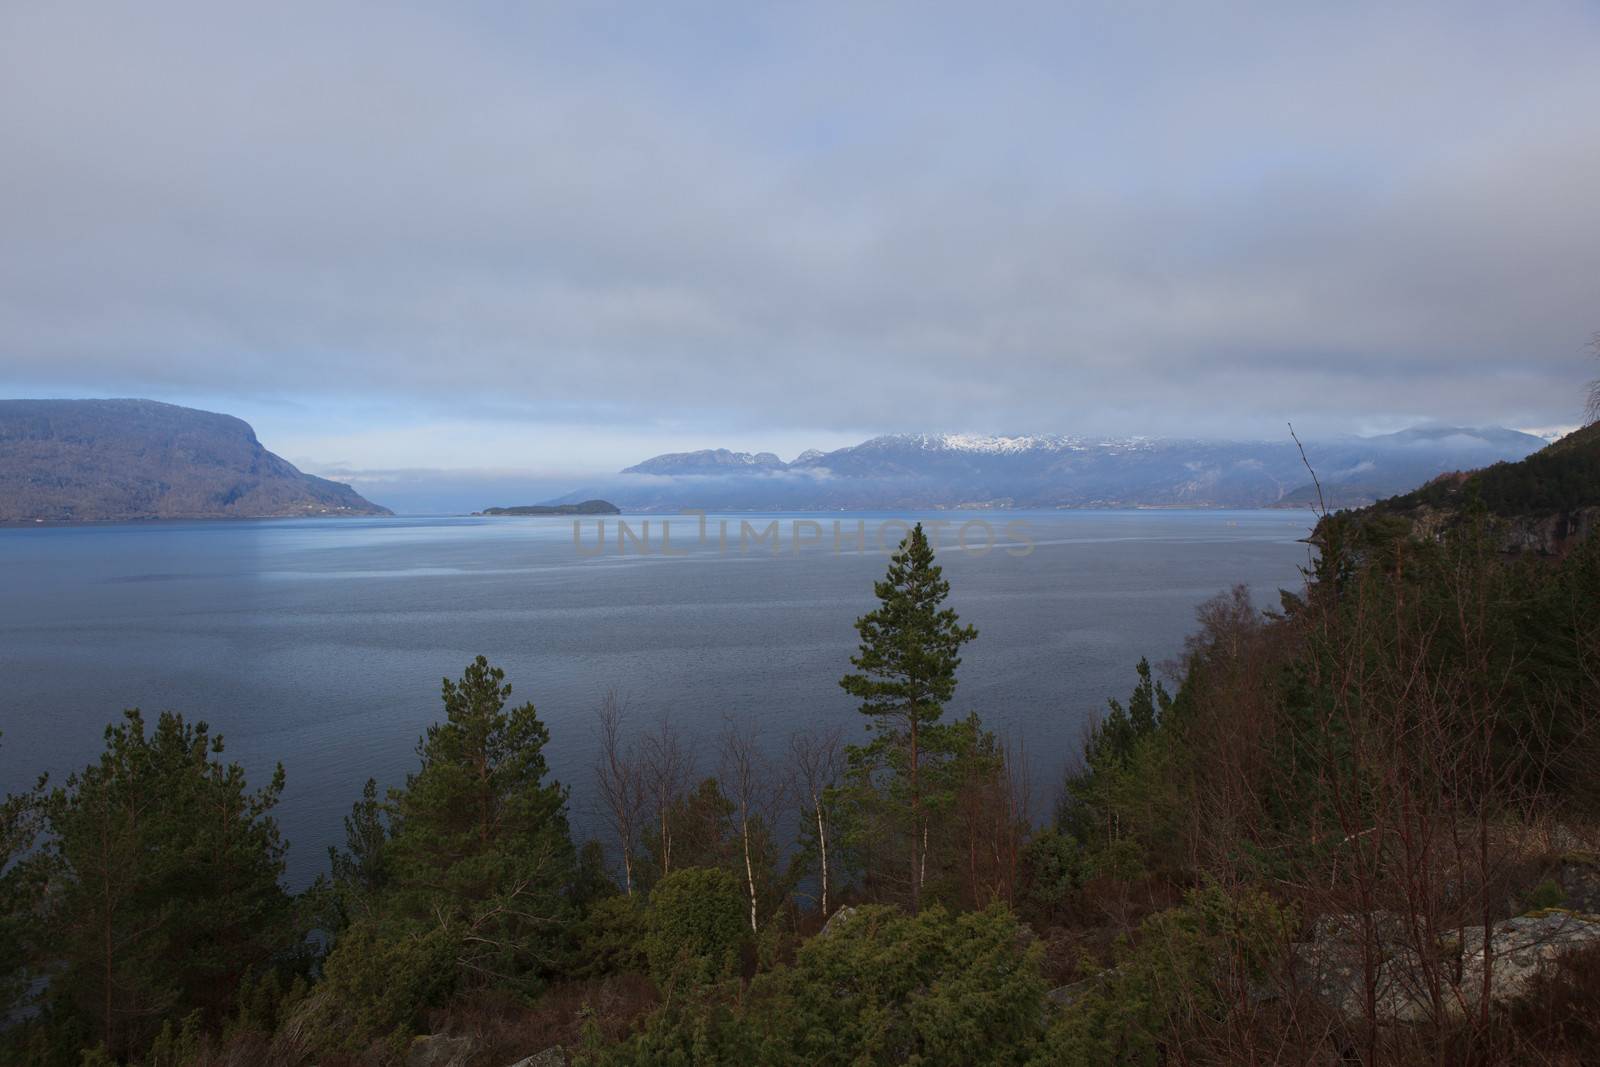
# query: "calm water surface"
322,643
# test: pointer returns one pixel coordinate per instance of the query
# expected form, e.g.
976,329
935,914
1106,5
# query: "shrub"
689,1031
375,985
612,937
1183,972
930,989
696,926
1053,866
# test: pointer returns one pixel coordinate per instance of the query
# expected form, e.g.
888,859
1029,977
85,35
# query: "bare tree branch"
1322,505
1592,408
619,774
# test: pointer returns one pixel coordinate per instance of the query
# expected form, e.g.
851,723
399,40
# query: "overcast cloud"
559,238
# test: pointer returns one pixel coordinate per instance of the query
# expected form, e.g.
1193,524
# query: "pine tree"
906,663
481,841
360,869
164,876
1111,741
1091,805
702,829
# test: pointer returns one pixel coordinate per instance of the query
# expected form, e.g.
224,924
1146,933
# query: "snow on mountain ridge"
983,444
1002,445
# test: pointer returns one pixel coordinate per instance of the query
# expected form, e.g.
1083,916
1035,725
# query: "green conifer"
906,670
481,840
164,874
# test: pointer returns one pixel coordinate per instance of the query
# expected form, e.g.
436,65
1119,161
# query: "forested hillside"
1544,504
1362,828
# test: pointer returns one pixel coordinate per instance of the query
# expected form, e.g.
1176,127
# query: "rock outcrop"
1334,968
836,921
1579,880
1064,996
439,1050
554,1056
1544,535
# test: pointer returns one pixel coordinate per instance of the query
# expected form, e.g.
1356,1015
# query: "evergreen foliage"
890,988
481,846
359,871
1115,805
1561,477
379,984
696,927
905,675
1187,968
910,644
163,870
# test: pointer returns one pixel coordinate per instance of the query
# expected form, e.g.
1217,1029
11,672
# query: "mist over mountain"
1058,470
64,460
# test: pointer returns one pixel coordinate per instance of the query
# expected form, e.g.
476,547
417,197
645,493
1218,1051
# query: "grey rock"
438,1050
1064,996
1335,973
836,920
1548,535
1521,948
1350,928
1580,881
1334,967
1567,840
554,1056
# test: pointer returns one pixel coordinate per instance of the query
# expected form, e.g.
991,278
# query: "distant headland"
586,507
122,460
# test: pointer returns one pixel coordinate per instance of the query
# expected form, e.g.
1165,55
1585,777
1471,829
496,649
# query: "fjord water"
321,643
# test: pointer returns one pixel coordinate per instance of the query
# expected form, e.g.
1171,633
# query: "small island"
587,507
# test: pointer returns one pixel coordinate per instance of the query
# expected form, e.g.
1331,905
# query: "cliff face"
63,460
1546,535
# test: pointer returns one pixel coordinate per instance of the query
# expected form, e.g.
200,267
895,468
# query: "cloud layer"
741,222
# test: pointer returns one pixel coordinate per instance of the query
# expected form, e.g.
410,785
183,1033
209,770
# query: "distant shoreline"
155,520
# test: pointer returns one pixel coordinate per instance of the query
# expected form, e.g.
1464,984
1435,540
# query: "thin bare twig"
1322,505
1592,408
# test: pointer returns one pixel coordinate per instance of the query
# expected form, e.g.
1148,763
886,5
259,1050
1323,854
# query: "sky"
516,244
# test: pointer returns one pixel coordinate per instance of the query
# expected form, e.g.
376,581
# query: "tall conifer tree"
906,668
164,872
481,839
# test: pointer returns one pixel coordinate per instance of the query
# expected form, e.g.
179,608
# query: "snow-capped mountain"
1057,470
988,444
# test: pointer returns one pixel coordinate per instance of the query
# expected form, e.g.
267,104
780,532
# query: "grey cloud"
1086,219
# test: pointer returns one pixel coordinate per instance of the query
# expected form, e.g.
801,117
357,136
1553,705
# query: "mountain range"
1059,470
64,460
67,460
